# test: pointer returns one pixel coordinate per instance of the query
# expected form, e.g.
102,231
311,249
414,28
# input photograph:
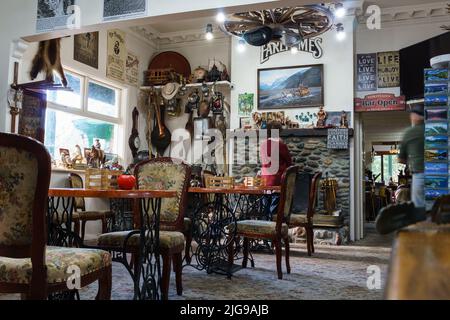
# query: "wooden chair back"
314,190
76,182
25,169
286,196
166,174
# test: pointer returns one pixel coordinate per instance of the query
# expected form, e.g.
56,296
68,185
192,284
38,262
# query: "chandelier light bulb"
209,32
220,18
339,10
294,50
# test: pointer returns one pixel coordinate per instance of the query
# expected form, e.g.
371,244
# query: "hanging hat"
170,90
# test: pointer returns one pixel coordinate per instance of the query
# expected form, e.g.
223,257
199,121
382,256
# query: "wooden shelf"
195,85
303,132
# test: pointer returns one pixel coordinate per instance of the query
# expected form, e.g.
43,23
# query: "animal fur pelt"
47,60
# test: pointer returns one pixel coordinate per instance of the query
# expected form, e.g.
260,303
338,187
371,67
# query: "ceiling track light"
340,32
241,45
339,10
220,17
209,32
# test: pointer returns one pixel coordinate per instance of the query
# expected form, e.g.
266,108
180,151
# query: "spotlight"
209,32
241,45
220,18
294,50
340,32
339,10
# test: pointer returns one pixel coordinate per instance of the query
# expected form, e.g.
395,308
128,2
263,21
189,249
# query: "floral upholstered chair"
276,231
81,214
27,265
161,174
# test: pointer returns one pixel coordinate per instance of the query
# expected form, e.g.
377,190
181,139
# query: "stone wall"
312,155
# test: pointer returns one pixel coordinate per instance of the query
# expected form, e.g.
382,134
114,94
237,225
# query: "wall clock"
134,141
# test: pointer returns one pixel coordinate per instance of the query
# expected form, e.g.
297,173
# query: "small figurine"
97,144
322,117
78,158
97,157
257,119
344,120
65,159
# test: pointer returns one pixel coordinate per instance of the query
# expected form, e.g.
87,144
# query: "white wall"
338,72
141,49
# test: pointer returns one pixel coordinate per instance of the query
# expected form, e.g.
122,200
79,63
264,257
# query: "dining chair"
276,231
27,265
82,215
303,216
160,174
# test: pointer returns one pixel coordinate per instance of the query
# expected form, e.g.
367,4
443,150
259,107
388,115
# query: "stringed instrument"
161,136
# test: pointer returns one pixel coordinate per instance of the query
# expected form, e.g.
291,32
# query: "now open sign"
337,139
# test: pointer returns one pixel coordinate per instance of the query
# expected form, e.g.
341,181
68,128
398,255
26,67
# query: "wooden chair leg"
312,240
308,241
135,263
187,250
76,227
83,230
287,246
105,284
178,269
278,253
165,278
104,225
246,248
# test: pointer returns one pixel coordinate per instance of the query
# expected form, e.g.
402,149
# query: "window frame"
84,112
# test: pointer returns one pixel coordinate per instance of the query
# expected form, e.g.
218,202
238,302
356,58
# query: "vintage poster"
117,55
246,104
53,14
367,72
380,102
85,48
117,9
132,69
388,69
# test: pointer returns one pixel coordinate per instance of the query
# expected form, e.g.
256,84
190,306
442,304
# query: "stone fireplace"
309,150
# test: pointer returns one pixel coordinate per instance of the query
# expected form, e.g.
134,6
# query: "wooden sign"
367,72
337,139
132,69
388,69
85,48
380,102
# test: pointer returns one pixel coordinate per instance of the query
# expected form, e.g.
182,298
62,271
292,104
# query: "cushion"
58,260
295,219
164,176
167,239
261,227
18,180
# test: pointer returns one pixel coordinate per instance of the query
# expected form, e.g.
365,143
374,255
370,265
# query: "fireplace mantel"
308,133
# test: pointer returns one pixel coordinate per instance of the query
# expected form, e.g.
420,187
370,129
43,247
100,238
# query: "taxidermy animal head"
48,60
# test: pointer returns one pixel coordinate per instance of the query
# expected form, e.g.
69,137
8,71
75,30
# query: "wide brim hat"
170,90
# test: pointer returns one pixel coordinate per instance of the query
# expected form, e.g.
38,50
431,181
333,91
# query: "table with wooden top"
420,263
214,222
147,207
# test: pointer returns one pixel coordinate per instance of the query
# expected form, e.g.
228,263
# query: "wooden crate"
254,182
219,182
102,179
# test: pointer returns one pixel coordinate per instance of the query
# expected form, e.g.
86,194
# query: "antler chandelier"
447,27
288,25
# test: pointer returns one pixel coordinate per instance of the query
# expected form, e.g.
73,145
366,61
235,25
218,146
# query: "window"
80,116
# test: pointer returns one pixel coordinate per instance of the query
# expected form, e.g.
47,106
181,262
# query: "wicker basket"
214,182
102,179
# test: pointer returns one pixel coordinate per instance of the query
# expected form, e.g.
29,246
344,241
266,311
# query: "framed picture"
246,123
291,87
85,49
436,128
245,102
436,114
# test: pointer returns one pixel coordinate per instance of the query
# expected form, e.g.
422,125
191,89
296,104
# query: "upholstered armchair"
160,174
27,265
81,214
276,231
304,207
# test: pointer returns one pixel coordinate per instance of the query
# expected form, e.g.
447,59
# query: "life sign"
337,139
367,72
388,69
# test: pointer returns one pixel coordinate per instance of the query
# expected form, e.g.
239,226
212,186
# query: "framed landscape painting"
290,87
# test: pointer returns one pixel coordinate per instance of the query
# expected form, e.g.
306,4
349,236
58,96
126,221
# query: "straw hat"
170,90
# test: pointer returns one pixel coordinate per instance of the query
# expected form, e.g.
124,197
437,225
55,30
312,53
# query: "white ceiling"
200,23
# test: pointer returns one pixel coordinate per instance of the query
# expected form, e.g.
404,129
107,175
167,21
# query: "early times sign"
313,46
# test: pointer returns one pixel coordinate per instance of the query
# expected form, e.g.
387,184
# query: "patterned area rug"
332,273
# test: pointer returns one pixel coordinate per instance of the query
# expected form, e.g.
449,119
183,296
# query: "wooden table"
146,221
420,263
215,213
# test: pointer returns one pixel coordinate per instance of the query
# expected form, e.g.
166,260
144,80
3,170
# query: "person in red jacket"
275,159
